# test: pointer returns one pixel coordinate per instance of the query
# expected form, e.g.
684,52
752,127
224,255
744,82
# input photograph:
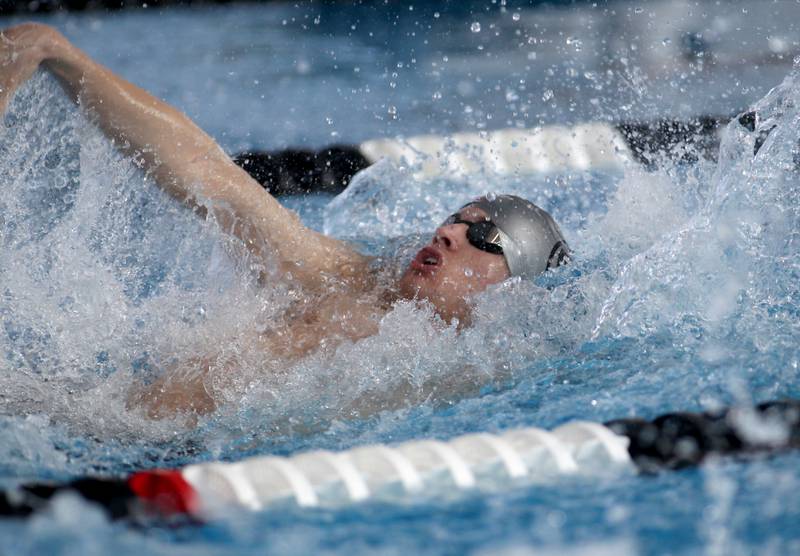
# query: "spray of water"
108,284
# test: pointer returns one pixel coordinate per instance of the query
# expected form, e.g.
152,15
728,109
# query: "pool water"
683,293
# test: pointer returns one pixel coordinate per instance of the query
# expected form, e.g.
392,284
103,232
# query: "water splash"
108,283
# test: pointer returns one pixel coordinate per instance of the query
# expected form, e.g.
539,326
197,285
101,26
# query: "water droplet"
475,27
468,272
547,95
316,20
638,10
392,111
329,120
515,16
666,41
575,43
491,196
437,95
436,15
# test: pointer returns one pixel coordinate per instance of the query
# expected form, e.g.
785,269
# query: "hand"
22,49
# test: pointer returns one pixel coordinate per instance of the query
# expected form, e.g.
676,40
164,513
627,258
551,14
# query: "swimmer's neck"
459,314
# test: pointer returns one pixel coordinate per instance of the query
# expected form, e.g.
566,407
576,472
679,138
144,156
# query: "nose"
450,235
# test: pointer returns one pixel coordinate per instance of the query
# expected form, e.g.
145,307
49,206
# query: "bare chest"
323,321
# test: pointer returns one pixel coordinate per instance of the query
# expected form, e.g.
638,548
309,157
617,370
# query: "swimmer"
483,243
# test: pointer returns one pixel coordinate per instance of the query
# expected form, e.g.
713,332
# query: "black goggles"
482,235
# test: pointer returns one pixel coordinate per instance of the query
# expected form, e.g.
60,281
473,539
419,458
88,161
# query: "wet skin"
446,273
450,270
342,297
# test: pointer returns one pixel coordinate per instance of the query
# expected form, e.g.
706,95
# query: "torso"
314,322
325,321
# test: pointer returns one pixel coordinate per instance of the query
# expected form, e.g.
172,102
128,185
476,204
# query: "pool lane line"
546,149
486,461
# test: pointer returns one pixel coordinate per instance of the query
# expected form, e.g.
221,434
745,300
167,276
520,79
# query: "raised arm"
184,160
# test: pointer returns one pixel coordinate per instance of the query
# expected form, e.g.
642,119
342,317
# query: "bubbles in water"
475,27
515,16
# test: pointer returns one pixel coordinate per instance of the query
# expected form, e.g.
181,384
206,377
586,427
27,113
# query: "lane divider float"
433,468
541,150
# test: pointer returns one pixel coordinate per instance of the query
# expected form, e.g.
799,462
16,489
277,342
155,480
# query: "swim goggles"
483,235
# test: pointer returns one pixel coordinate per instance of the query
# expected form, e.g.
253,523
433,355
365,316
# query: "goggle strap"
558,256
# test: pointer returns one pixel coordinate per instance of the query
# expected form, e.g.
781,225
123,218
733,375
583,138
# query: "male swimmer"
485,242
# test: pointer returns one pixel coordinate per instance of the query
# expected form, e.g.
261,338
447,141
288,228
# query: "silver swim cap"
530,237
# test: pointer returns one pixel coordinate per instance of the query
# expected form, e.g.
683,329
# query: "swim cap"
530,237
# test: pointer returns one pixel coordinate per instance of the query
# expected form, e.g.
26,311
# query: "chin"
412,284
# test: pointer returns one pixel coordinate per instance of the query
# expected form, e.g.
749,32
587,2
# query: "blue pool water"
683,294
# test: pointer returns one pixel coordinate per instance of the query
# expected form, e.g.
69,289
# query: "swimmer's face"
449,270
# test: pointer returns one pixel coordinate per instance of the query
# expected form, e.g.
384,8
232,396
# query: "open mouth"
427,260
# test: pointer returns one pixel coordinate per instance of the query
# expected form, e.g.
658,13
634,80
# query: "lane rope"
432,468
323,478
541,150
